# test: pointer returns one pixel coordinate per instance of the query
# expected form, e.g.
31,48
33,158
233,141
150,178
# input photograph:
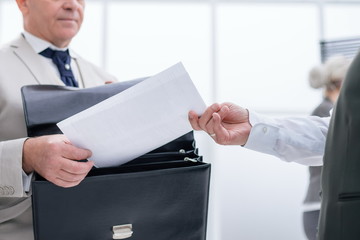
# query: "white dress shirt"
292,139
40,45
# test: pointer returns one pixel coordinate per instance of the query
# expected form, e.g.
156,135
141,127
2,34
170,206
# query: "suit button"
264,129
11,191
6,190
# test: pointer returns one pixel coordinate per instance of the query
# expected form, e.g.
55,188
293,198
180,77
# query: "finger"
65,184
207,115
74,153
220,115
221,133
194,120
77,168
64,179
70,177
209,128
223,112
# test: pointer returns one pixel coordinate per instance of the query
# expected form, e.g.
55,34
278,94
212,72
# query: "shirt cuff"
27,181
282,139
263,139
256,118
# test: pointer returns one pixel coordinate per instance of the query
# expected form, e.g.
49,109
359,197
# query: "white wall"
262,55
341,20
265,52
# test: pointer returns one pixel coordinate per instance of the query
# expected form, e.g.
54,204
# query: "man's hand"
226,123
56,159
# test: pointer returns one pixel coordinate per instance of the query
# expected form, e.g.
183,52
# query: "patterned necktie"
62,60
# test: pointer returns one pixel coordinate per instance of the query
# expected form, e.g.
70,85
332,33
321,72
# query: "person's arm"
300,139
53,157
292,139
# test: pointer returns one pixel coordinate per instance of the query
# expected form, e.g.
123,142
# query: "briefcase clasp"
122,231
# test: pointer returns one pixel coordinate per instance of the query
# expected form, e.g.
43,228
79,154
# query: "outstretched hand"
226,123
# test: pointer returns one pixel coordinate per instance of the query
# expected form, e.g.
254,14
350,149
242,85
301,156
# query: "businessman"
303,140
39,55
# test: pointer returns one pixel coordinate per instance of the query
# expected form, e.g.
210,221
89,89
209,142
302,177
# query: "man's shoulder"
10,46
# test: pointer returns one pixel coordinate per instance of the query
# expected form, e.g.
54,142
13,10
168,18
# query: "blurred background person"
328,77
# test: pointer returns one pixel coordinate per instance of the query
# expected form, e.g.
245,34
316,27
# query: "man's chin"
64,37
68,25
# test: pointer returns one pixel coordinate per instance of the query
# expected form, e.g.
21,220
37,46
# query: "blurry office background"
254,53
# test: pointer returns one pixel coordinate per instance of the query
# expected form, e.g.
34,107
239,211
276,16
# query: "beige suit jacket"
20,65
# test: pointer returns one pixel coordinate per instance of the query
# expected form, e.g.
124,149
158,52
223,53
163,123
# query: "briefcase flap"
46,105
166,201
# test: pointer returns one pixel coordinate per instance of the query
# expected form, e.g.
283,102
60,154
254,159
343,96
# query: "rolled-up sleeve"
292,139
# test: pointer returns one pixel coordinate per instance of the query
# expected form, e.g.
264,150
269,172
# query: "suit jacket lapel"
83,68
36,66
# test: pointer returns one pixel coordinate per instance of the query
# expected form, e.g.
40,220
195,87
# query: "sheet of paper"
137,120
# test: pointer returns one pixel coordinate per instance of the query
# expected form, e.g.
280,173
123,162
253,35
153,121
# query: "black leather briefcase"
161,195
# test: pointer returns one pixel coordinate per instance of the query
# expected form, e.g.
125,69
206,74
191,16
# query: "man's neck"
39,44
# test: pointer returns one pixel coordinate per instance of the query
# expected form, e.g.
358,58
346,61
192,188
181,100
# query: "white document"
137,120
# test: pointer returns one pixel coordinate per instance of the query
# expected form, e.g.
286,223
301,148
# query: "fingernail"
215,107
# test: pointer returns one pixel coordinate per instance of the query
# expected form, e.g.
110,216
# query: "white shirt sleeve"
27,181
292,139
